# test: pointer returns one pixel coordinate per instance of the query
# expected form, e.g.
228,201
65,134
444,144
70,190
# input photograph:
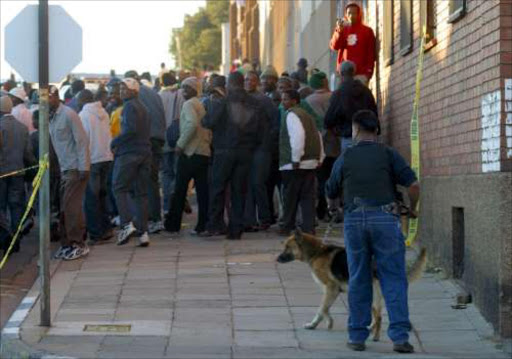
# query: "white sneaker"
116,221
155,227
61,252
125,234
143,240
76,252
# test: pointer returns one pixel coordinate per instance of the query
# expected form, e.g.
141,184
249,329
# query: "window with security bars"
457,9
428,19
405,27
388,33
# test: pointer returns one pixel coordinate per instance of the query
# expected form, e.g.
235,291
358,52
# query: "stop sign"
22,43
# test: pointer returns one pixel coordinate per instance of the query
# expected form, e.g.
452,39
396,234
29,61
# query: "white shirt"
96,124
23,114
298,143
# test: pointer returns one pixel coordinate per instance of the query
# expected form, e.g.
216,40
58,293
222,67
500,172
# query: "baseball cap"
19,93
132,84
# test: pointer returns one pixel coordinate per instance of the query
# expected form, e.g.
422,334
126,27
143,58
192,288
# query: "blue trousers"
376,234
96,197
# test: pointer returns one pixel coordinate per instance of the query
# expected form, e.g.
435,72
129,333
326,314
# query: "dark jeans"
299,189
12,201
273,181
257,196
95,204
131,178
168,178
230,166
377,234
72,215
323,174
155,204
112,207
193,167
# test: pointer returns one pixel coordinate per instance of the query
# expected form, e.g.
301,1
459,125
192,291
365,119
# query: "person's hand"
340,23
178,150
295,165
413,213
82,175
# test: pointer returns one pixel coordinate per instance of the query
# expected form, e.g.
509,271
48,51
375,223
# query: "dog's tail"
417,268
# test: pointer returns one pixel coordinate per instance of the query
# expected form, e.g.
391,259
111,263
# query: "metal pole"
44,191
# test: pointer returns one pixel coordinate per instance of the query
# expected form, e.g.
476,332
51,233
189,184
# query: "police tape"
412,230
43,166
14,173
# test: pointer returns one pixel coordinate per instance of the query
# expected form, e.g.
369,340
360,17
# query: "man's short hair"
236,80
168,79
85,96
293,94
348,68
77,86
367,120
252,73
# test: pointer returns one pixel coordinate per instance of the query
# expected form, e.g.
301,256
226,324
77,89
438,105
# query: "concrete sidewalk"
211,298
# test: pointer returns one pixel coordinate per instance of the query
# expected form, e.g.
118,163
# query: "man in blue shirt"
368,174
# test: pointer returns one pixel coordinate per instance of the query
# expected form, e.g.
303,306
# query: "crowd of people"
258,147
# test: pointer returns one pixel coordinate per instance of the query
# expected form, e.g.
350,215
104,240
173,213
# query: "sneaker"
155,227
61,252
125,234
358,347
143,240
403,348
116,221
76,252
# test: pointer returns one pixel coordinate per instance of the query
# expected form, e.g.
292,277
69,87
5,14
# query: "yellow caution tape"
43,166
415,139
14,173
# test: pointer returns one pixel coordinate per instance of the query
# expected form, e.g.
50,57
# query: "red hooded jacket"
355,43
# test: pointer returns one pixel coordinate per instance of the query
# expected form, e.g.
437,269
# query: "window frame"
456,13
428,17
406,49
389,30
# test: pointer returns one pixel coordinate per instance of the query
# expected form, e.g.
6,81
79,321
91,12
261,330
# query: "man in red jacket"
355,42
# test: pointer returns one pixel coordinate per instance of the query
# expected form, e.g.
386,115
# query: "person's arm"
28,154
337,42
188,125
335,182
82,142
297,137
371,55
331,116
214,113
414,197
127,127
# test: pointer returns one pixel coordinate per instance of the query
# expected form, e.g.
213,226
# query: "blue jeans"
12,202
96,200
377,234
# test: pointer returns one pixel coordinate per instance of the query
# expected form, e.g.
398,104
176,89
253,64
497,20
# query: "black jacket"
237,122
351,97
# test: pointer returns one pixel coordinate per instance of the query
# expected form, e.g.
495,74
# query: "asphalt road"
18,275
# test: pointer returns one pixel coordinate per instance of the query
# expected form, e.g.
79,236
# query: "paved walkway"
212,298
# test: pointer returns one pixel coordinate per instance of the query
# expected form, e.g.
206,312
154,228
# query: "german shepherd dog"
329,267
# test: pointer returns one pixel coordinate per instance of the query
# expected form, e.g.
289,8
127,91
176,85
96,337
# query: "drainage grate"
108,328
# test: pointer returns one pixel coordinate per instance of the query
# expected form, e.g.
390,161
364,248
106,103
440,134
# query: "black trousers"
273,181
323,174
299,188
229,166
194,167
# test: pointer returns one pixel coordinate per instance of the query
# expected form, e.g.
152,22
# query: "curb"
11,345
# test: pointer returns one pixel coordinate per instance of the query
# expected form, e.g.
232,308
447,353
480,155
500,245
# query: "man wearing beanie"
269,84
132,162
193,153
15,154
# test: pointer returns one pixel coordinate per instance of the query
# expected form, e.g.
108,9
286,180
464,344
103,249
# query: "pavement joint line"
174,296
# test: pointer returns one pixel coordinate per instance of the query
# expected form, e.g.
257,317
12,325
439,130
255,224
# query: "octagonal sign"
22,43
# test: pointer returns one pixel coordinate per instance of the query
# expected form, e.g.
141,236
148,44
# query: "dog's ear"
298,235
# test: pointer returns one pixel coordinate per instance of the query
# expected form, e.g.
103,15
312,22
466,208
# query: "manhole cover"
108,328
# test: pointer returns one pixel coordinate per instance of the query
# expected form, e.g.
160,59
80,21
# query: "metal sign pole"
44,192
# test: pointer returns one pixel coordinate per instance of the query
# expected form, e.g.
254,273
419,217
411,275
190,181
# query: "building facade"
465,117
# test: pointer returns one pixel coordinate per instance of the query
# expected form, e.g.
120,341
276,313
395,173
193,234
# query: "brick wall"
464,66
